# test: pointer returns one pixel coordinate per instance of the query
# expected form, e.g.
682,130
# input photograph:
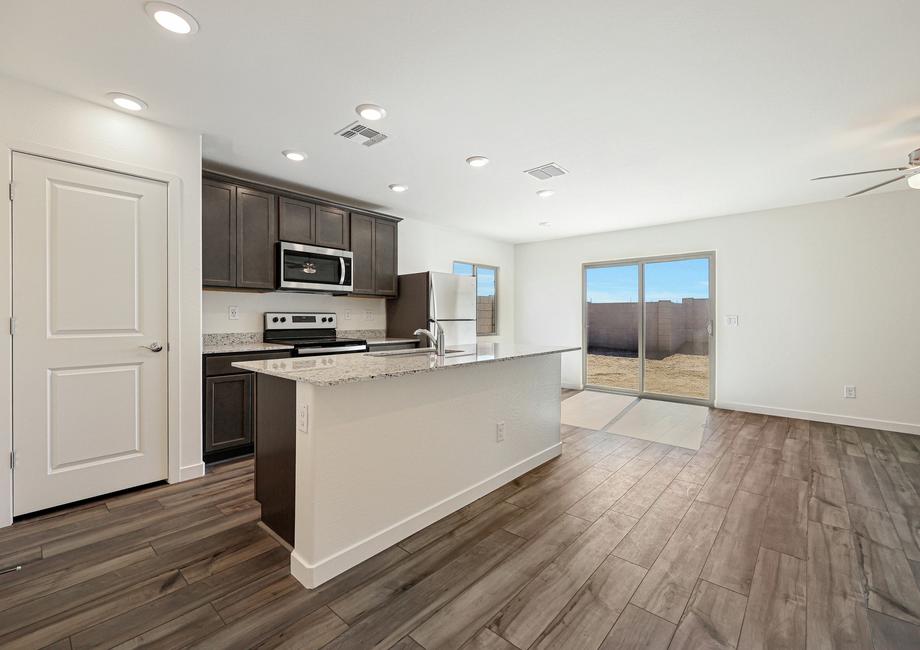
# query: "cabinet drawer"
222,364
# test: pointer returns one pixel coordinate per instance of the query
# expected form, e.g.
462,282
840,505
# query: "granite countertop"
244,346
390,341
349,368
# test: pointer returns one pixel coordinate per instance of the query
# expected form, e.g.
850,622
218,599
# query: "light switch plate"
732,320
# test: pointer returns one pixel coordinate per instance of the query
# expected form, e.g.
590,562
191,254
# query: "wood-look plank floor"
776,533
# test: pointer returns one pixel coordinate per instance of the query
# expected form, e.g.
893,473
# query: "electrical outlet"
302,419
347,314
368,315
731,320
849,391
500,432
233,312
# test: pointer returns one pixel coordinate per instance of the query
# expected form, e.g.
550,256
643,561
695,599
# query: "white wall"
34,119
352,313
427,247
827,295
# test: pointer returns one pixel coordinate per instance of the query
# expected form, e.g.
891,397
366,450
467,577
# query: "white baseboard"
313,575
191,471
868,423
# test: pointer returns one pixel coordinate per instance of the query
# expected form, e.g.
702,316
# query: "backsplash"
353,314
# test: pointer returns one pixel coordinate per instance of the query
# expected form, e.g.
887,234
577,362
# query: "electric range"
311,333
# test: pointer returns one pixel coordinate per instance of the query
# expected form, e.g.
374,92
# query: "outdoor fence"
485,314
670,327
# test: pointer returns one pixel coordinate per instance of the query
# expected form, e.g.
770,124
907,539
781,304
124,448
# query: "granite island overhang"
356,452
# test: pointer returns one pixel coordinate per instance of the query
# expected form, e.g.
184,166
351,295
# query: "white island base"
378,459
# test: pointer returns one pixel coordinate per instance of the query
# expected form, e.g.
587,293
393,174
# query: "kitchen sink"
413,352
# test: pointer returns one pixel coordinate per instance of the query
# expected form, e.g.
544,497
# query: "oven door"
311,268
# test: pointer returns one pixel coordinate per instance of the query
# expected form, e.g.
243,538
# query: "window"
486,295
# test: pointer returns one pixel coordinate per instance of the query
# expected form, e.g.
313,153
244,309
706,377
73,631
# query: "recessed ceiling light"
396,187
127,102
371,111
172,18
545,194
477,161
296,156
544,224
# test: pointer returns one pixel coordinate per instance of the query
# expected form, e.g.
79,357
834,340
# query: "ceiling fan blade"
869,189
871,171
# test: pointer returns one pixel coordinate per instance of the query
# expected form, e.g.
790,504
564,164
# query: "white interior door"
89,296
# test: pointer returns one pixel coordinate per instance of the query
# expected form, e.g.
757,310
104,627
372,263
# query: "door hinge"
12,326
11,191
12,460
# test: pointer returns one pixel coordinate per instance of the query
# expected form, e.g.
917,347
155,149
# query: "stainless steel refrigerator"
428,298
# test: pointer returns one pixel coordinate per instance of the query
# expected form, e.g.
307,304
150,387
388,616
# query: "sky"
485,279
672,281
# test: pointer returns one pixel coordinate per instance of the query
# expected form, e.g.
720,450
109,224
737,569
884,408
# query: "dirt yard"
679,374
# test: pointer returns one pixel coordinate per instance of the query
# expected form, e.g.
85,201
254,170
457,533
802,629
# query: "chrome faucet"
437,339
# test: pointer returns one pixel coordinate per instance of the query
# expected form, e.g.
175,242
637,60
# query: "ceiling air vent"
357,132
544,172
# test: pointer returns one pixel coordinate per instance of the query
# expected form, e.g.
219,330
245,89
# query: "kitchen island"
356,452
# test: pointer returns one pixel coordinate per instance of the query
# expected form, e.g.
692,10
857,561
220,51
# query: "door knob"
153,347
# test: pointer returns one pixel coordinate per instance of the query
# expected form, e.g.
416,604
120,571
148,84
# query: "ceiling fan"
911,173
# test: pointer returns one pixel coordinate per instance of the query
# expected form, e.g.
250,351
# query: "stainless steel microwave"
311,268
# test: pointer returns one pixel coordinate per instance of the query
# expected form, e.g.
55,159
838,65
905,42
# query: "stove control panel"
299,320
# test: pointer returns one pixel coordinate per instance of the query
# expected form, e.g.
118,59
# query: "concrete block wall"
670,327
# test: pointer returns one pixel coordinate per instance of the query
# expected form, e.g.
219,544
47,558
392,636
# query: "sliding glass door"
612,321
648,326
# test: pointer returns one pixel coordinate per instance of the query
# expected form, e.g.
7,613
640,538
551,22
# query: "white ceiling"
661,111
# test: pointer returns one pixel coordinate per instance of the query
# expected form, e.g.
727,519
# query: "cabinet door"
296,221
332,227
256,232
228,412
384,257
218,234
362,246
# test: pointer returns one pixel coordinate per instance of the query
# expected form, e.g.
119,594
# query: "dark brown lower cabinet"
229,416
229,425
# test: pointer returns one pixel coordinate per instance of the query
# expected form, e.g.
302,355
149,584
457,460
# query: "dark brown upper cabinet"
311,223
256,234
239,229
296,221
243,220
332,227
374,244
218,234
362,246
385,246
